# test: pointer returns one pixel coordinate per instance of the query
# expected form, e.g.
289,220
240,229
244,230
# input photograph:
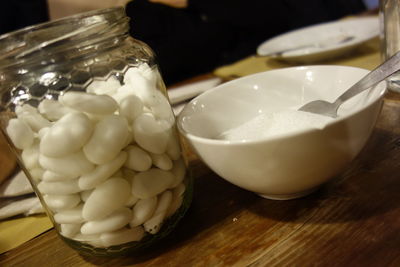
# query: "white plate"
179,96
186,92
327,34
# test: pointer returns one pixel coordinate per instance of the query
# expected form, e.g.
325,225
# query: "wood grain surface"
354,220
7,159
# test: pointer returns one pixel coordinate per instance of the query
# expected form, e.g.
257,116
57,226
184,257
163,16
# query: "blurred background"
211,33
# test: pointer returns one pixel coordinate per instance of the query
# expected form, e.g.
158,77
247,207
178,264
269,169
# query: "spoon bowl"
374,77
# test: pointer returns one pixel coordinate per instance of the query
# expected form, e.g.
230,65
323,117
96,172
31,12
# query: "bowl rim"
279,136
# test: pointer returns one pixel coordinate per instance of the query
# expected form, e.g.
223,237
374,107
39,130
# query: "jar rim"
69,19
58,36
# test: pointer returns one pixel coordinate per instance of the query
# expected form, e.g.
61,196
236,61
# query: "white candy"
42,132
148,72
49,176
152,182
143,210
30,156
85,195
143,81
131,201
93,240
52,109
119,174
106,198
141,86
130,139
150,134
122,236
130,107
94,118
143,70
179,190
153,225
161,108
35,120
138,159
62,187
62,202
109,137
177,198
116,220
67,135
179,172
36,174
108,87
73,215
161,161
102,172
90,103
124,92
25,108
173,147
70,230
20,133
128,173
89,140
126,178
71,165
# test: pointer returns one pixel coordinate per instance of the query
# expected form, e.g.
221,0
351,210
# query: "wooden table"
354,220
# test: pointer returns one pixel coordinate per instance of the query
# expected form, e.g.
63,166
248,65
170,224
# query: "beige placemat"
15,232
365,56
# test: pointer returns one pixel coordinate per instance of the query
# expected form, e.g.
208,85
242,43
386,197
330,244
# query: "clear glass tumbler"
389,16
85,109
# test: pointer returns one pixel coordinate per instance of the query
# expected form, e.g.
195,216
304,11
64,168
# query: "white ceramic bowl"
291,164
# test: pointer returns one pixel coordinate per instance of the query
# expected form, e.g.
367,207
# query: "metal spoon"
379,74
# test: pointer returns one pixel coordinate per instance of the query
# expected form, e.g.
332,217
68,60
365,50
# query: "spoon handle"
380,73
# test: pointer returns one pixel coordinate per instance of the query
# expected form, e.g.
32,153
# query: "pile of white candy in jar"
107,161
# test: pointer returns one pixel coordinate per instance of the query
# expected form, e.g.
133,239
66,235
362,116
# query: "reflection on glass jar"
85,108
389,16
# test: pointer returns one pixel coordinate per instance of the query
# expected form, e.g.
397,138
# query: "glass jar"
84,107
389,16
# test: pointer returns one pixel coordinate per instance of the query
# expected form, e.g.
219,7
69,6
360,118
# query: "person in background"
17,14
62,8
191,37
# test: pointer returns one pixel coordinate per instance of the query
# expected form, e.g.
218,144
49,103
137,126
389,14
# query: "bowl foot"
288,196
